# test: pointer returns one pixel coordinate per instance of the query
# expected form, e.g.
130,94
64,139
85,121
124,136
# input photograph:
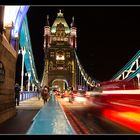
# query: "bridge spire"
47,22
60,14
73,24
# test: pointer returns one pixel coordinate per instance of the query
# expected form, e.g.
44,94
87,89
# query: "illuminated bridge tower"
59,45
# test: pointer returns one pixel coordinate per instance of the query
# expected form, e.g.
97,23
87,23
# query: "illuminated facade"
59,46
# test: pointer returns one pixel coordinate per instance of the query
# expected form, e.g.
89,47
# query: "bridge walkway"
20,123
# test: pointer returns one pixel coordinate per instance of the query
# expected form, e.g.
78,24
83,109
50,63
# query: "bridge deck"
51,120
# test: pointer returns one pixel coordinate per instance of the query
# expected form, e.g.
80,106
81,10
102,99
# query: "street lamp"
33,85
29,76
22,51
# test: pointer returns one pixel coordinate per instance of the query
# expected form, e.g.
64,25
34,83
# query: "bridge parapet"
25,95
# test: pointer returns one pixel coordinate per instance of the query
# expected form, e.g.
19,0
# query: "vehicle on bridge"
77,95
120,107
65,93
119,84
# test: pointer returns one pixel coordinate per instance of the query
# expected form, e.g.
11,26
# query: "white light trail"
137,91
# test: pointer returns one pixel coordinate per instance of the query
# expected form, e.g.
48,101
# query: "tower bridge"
61,61
62,67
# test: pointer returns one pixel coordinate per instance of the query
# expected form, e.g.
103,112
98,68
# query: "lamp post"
22,51
33,85
29,76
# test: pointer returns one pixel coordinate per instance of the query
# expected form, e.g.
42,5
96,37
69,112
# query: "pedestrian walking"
71,95
39,90
17,94
45,94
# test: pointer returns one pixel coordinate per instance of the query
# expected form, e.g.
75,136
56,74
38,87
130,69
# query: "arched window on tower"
60,55
69,66
60,31
51,65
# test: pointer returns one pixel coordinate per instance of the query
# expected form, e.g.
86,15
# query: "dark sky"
107,37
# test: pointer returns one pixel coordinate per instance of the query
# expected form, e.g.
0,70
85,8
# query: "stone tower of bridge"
59,45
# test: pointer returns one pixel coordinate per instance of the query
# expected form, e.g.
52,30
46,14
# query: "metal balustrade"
25,95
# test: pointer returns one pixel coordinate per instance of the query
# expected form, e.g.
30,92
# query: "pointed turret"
73,23
47,21
47,33
60,14
73,34
60,19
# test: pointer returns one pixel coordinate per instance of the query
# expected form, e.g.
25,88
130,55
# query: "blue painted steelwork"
15,15
51,120
19,19
128,67
20,27
26,43
133,75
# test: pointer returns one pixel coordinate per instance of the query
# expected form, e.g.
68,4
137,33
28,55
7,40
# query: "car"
64,94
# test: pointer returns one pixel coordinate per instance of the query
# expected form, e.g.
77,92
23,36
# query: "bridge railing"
129,68
25,95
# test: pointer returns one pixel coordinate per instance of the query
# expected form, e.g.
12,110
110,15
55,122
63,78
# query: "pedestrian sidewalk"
32,103
21,122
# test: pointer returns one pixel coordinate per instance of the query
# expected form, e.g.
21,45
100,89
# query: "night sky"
107,37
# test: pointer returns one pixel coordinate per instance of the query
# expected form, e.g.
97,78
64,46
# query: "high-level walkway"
51,120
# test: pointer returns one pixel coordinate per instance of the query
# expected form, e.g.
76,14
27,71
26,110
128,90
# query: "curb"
78,126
